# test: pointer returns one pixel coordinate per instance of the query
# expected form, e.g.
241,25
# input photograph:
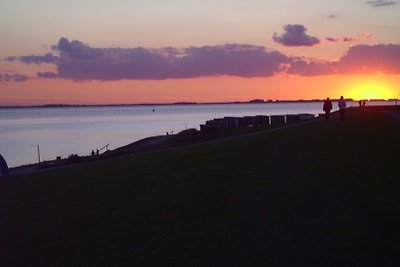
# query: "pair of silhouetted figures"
328,107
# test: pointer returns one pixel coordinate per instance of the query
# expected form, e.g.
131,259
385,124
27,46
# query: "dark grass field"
322,193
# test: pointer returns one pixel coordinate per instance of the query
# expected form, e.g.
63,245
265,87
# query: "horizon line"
254,101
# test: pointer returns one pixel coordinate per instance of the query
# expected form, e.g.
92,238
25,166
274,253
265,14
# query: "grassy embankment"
319,193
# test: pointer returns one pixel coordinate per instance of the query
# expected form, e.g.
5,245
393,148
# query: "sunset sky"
142,51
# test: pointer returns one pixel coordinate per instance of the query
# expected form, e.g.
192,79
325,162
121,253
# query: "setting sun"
371,89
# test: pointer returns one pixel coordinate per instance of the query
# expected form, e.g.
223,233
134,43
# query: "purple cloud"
295,35
47,75
81,62
13,77
232,59
311,67
47,58
341,40
12,58
371,59
380,3
359,38
359,59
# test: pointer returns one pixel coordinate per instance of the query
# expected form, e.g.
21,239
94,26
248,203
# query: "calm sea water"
62,131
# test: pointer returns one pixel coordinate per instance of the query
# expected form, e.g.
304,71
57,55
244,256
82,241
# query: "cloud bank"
295,35
78,61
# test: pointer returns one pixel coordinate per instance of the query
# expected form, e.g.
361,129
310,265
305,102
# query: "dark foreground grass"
316,194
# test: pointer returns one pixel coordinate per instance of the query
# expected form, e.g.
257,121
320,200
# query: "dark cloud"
48,58
359,38
331,16
295,35
338,40
47,75
11,58
13,77
380,3
79,61
341,40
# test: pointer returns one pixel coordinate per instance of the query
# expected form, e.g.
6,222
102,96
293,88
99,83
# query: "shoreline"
255,101
154,143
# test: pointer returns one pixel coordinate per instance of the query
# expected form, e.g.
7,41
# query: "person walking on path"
327,108
342,107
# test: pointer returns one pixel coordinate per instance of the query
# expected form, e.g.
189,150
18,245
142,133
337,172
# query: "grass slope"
315,194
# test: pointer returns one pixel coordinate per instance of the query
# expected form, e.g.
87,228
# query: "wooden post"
38,151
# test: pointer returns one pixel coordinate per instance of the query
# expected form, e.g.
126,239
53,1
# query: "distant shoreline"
255,101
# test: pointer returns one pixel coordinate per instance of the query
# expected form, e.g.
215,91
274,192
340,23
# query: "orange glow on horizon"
371,87
201,90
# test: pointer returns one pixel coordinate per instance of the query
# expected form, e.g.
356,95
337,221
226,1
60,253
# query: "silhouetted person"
97,152
360,103
363,103
92,152
327,108
342,107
